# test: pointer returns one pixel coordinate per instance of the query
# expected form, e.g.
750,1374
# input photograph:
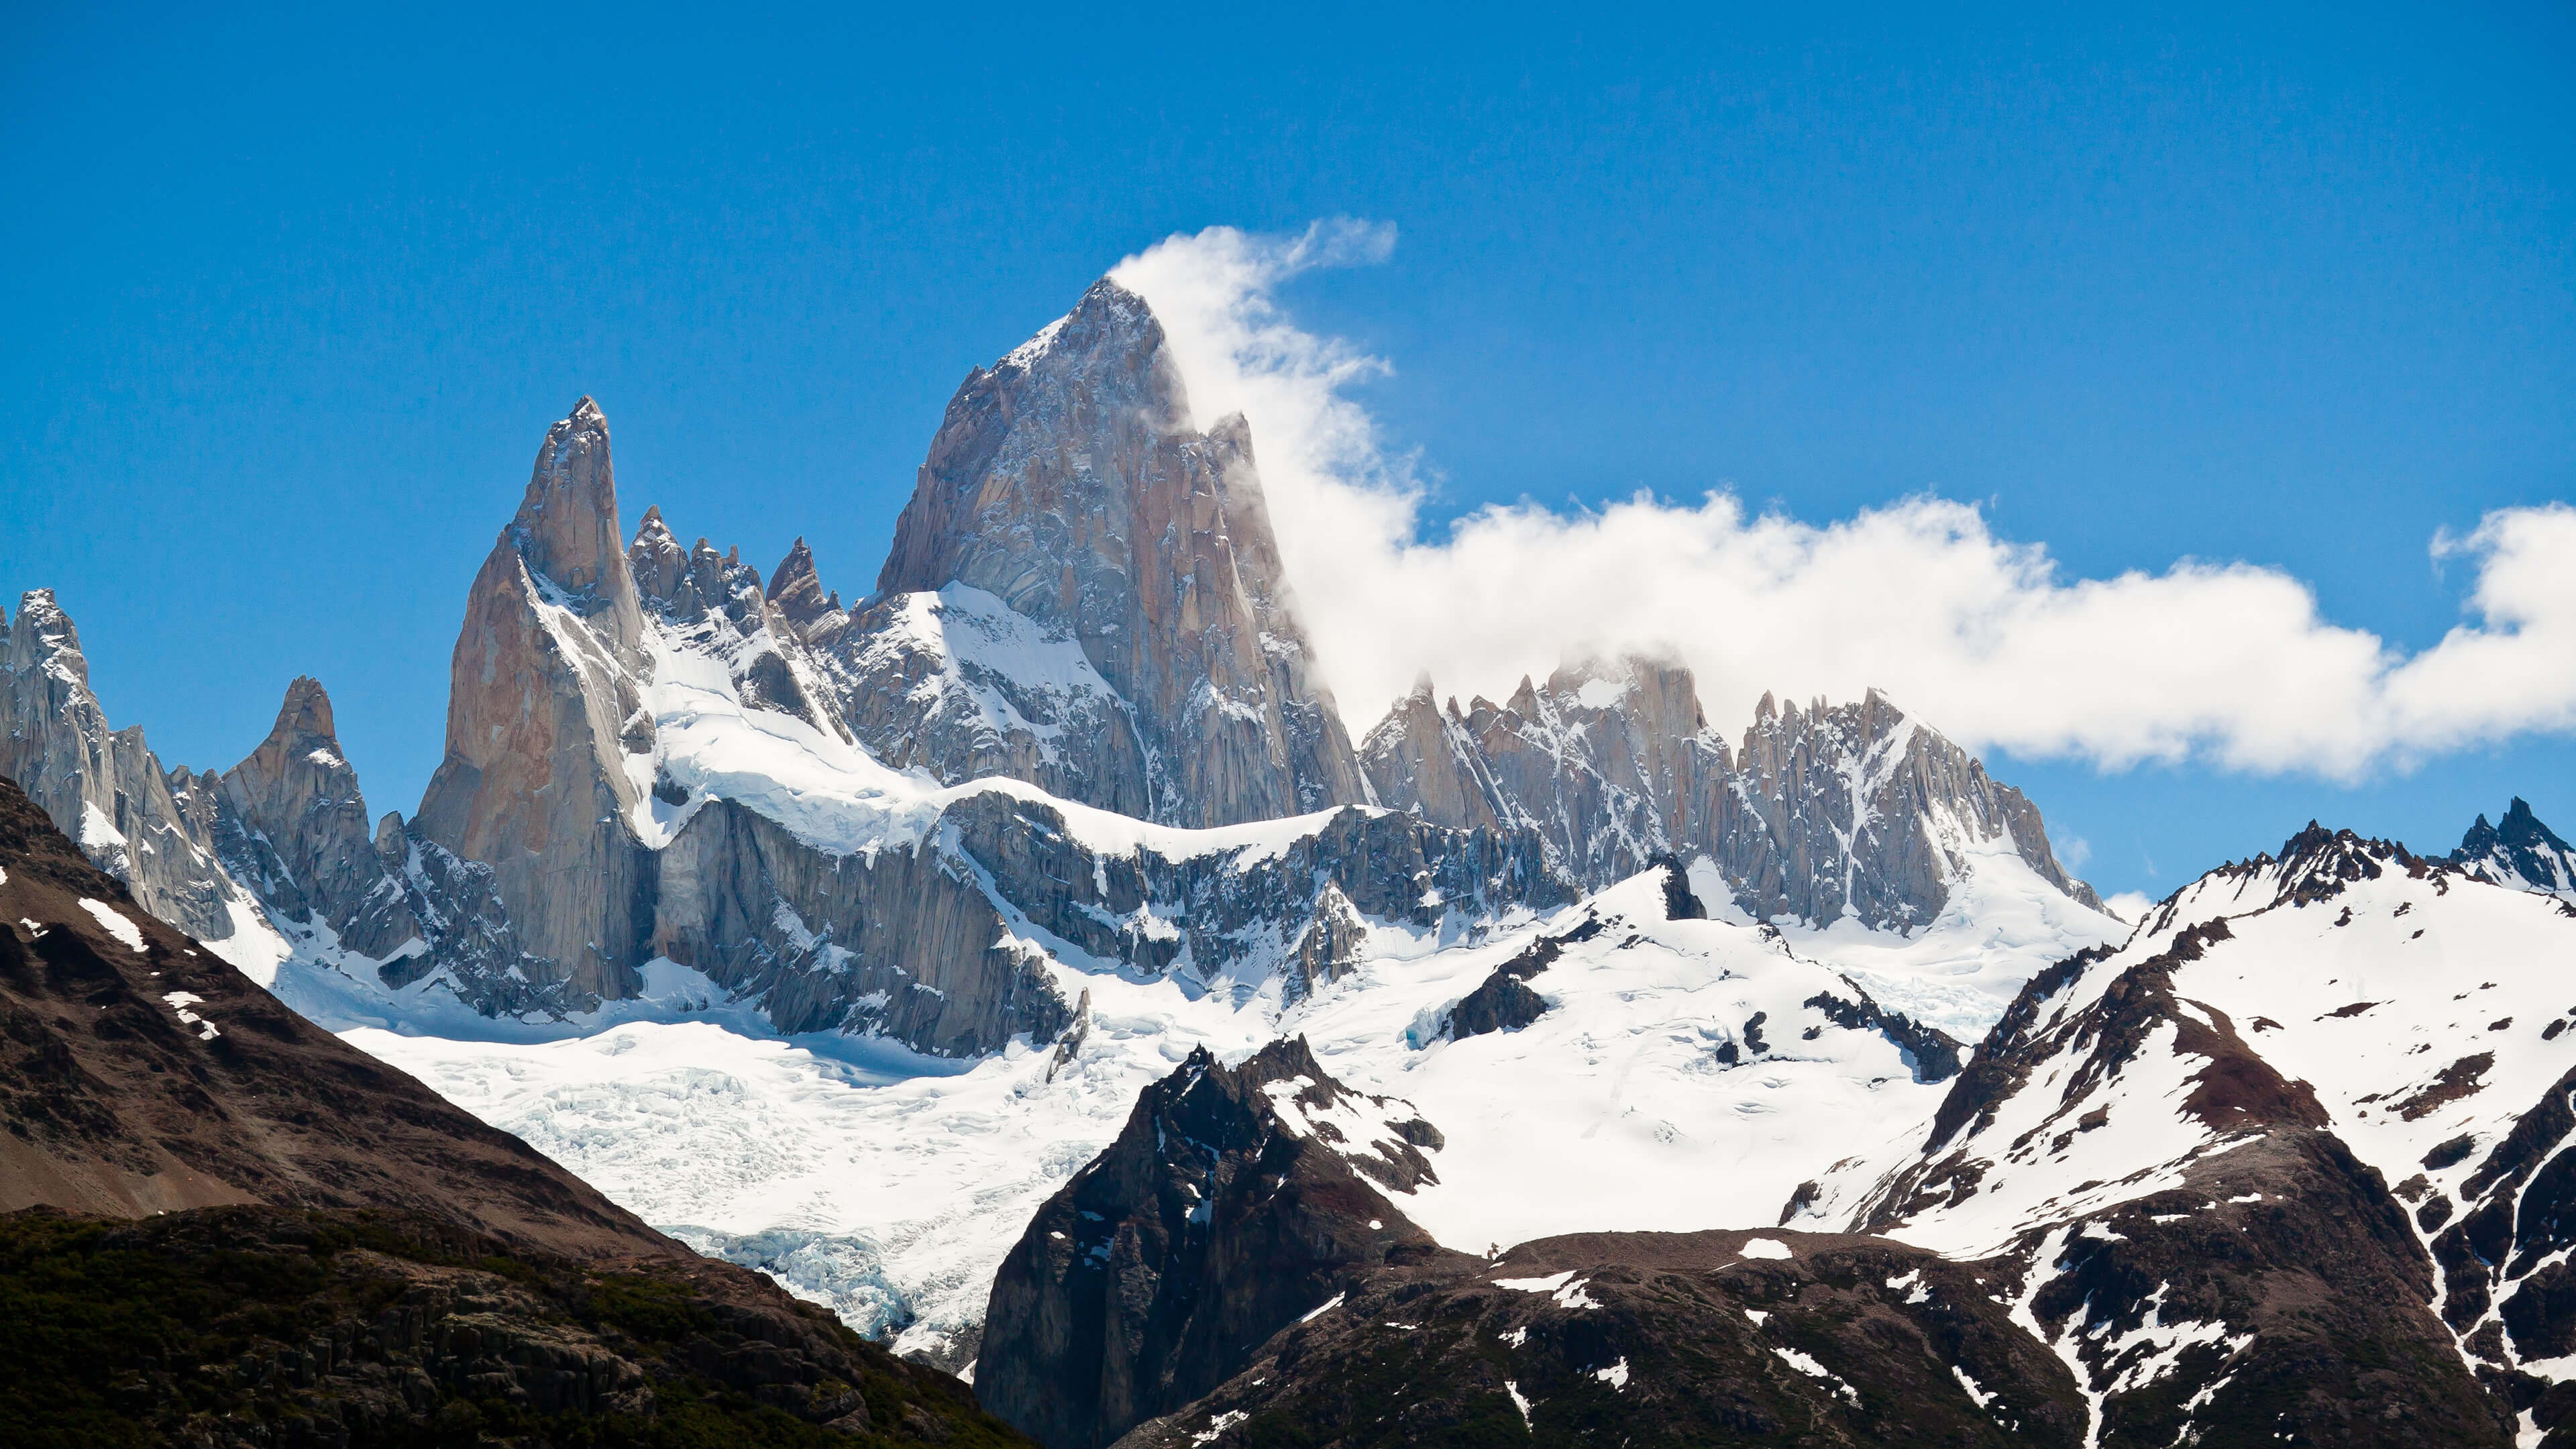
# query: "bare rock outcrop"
291,828
961,685
713,604
545,714
2519,852
1819,813
1235,1201
296,831
1861,808
1069,482
902,941
105,789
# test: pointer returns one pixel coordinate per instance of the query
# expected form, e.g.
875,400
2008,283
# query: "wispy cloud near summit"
1985,637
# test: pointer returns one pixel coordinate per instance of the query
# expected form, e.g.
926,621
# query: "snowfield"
889,1186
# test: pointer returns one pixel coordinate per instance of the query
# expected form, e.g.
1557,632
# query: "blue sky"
290,301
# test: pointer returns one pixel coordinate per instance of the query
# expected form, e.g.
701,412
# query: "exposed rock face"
298,833
1611,763
1911,804
1422,759
545,714
1236,1200
1837,810
1714,1338
1216,914
902,941
959,684
466,938
2520,852
1069,482
712,605
796,588
290,828
104,788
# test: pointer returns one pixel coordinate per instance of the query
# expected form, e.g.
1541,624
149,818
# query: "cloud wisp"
1982,636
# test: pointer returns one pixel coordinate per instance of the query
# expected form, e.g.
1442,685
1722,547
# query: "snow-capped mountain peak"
2519,852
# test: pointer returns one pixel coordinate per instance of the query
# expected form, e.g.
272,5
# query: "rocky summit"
151,829
1854,810
544,711
1070,482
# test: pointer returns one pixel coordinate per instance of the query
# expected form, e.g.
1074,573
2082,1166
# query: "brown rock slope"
138,1073
1650,1339
226,1226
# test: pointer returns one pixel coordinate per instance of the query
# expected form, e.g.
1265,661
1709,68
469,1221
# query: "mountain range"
1028,962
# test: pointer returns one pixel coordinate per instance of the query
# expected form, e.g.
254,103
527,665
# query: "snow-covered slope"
2346,1003
1685,1071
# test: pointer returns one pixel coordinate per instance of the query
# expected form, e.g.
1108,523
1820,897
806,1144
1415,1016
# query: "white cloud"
2129,906
1983,637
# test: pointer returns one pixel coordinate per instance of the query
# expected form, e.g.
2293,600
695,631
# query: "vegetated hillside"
268,1326
230,1227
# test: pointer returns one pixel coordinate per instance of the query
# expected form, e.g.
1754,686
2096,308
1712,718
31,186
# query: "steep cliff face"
548,746
1610,763
1860,808
1069,482
961,685
298,833
1853,810
291,828
104,788
1423,759
1236,1200
902,941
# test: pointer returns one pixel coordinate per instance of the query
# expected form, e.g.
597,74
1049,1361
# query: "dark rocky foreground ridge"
1231,1204
225,1226
1760,1336
1650,1339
